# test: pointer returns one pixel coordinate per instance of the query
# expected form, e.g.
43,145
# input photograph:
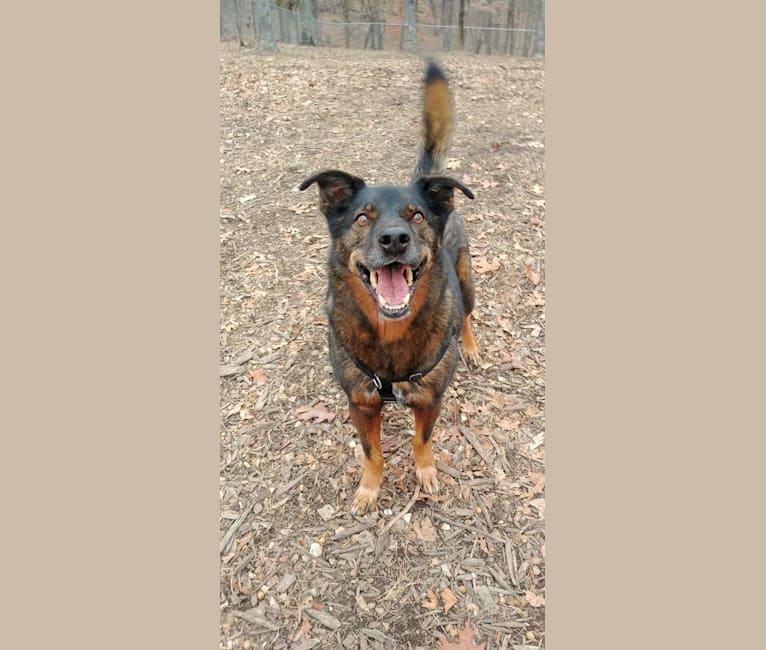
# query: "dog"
400,289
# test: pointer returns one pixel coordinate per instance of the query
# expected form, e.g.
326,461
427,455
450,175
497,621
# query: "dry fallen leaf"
448,598
538,483
258,376
509,424
469,408
319,413
505,325
465,641
245,414
536,600
425,530
483,265
431,602
533,276
303,630
538,440
539,505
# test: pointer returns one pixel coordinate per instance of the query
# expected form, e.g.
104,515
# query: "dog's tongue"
392,284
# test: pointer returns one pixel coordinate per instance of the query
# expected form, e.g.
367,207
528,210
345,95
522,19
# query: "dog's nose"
394,240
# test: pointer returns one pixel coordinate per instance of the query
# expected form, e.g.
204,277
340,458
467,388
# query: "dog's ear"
438,192
336,188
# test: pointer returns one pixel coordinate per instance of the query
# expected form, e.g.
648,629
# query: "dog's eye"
418,217
362,219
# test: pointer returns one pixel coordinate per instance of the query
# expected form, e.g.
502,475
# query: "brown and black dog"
400,290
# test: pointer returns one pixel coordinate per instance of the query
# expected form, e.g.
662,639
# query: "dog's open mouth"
392,286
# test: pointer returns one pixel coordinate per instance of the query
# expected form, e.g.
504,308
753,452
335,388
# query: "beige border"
110,405
652,126
109,274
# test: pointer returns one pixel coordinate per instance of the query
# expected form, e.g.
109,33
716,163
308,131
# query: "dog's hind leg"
465,278
367,422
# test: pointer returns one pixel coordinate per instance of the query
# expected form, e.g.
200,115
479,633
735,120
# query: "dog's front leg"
366,419
423,447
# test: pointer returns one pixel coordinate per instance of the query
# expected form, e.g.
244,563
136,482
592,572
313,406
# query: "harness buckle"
416,377
378,383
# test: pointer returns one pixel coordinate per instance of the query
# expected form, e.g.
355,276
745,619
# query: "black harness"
385,385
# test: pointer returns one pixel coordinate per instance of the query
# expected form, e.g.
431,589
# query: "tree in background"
308,34
264,31
245,27
461,23
540,40
374,38
448,16
456,24
409,40
347,19
510,23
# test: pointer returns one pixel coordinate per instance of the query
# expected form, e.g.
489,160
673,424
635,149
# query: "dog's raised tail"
437,123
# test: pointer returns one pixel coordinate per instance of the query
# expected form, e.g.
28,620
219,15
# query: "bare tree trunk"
229,29
510,23
409,38
307,34
448,16
285,21
245,28
377,31
347,19
374,37
489,34
540,41
529,36
265,34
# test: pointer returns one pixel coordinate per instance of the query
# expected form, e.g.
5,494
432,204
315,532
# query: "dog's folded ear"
438,192
336,188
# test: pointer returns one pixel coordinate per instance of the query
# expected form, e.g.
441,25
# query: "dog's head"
386,236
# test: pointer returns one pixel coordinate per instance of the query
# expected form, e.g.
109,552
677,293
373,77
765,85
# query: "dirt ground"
297,570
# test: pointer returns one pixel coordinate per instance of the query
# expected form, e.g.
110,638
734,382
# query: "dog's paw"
365,499
426,476
471,354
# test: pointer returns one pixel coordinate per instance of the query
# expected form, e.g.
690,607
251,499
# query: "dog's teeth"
374,279
406,300
408,275
381,301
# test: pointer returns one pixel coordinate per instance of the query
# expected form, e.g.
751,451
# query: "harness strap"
385,385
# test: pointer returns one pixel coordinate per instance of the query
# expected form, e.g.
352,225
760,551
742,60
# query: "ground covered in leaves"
465,569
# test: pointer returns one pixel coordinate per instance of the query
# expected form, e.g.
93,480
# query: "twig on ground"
450,471
289,486
401,514
473,529
257,620
326,619
352,531
475,444
510,558
229,535
483,508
